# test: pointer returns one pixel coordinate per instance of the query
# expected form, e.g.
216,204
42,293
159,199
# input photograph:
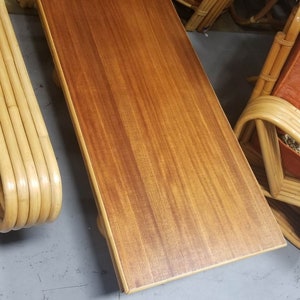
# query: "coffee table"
174,192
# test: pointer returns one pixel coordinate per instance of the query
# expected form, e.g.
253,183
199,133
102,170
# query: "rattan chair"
266,117
30,184
205,12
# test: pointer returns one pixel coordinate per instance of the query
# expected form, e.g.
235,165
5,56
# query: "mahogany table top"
173,187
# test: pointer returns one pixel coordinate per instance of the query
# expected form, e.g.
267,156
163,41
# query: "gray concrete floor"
68,259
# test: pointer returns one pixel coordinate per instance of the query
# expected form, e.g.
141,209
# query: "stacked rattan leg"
30,184
205,13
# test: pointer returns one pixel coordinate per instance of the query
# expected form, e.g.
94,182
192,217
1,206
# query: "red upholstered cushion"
290,160
288,88
288,83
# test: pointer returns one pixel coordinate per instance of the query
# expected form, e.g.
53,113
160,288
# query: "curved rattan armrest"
8,189
27,161
274,110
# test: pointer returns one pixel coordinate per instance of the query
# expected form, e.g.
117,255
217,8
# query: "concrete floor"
69,259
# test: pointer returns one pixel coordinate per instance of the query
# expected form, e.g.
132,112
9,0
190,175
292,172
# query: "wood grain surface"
171,183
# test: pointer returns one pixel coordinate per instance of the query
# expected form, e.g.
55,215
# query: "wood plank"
170,180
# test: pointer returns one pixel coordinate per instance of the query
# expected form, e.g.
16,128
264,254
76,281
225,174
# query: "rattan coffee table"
174,192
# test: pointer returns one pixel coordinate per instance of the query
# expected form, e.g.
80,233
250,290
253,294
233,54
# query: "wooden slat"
170,180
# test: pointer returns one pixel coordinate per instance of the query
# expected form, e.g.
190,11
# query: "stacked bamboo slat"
205,13
30,183
263,116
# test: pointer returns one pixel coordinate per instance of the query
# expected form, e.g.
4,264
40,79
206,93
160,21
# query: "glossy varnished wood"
170,181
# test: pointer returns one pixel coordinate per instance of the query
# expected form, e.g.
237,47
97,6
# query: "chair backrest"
266,113
287,87
288,83
281,47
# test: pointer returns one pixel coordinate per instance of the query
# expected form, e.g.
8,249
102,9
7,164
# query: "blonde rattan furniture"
268,116
30,184
174,192
205,12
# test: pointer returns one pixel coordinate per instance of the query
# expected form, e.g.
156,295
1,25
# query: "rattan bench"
30,184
